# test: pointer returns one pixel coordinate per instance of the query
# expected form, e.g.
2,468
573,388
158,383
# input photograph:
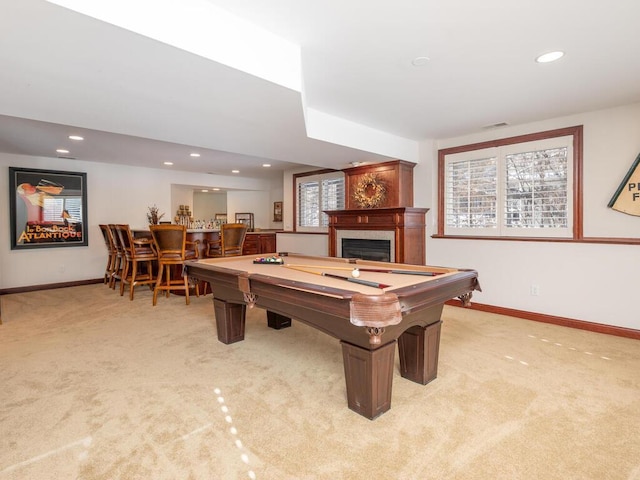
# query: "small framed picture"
277,211
247,219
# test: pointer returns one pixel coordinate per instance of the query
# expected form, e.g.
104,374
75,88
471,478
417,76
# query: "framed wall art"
247,219
277,211
627,197
48,208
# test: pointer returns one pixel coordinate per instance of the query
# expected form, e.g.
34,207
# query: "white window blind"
309,204
315,194
523,189
471,193
536,189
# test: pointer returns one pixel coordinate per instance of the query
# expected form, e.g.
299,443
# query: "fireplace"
387,216
360,238
366,249
403,227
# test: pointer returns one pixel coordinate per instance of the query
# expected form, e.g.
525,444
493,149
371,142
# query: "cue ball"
355,273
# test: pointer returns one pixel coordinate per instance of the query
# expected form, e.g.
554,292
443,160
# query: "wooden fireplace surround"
407,223
396,213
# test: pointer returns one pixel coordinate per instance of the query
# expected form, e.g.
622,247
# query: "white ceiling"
141,102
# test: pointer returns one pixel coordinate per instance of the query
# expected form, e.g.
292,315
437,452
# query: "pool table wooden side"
329,309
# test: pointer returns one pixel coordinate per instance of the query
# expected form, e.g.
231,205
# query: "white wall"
303,243
591,282
260,203
116,194
206,205
180,195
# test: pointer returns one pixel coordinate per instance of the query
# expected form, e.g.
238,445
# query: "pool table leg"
369,375
230,320
418,348
277,321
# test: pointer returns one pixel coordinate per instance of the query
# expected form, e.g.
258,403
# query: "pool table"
370,311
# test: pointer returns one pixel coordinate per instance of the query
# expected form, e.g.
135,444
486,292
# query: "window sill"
603,240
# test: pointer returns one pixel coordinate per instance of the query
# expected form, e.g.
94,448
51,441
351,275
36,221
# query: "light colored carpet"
94,386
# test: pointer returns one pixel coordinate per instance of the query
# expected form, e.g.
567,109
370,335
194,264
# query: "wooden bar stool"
171,245
230,242
116,275
111,252
138,252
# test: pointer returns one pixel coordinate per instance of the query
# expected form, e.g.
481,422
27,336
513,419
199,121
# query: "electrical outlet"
62,268
535,290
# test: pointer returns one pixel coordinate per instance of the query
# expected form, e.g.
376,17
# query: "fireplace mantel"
407,223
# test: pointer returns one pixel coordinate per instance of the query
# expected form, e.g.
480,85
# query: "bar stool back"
116,275
138,252
112,253
231,241
170,242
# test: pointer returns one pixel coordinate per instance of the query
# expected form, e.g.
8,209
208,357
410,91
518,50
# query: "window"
58,209
314,194
517,187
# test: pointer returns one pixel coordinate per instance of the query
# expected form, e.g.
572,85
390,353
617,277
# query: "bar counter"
256,243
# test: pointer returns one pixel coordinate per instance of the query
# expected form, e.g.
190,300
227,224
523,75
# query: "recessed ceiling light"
266,165
75,137
194,154
204,191
235,171
550,57
420,61
62,150
168,163
216,189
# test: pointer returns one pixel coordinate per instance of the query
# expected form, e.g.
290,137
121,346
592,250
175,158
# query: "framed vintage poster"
277,211
48,208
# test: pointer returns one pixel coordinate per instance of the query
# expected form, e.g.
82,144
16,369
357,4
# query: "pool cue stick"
302,268
328,268
400,272
356,280
340,277
376,270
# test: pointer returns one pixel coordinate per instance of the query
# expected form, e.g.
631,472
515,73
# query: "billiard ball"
355,273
